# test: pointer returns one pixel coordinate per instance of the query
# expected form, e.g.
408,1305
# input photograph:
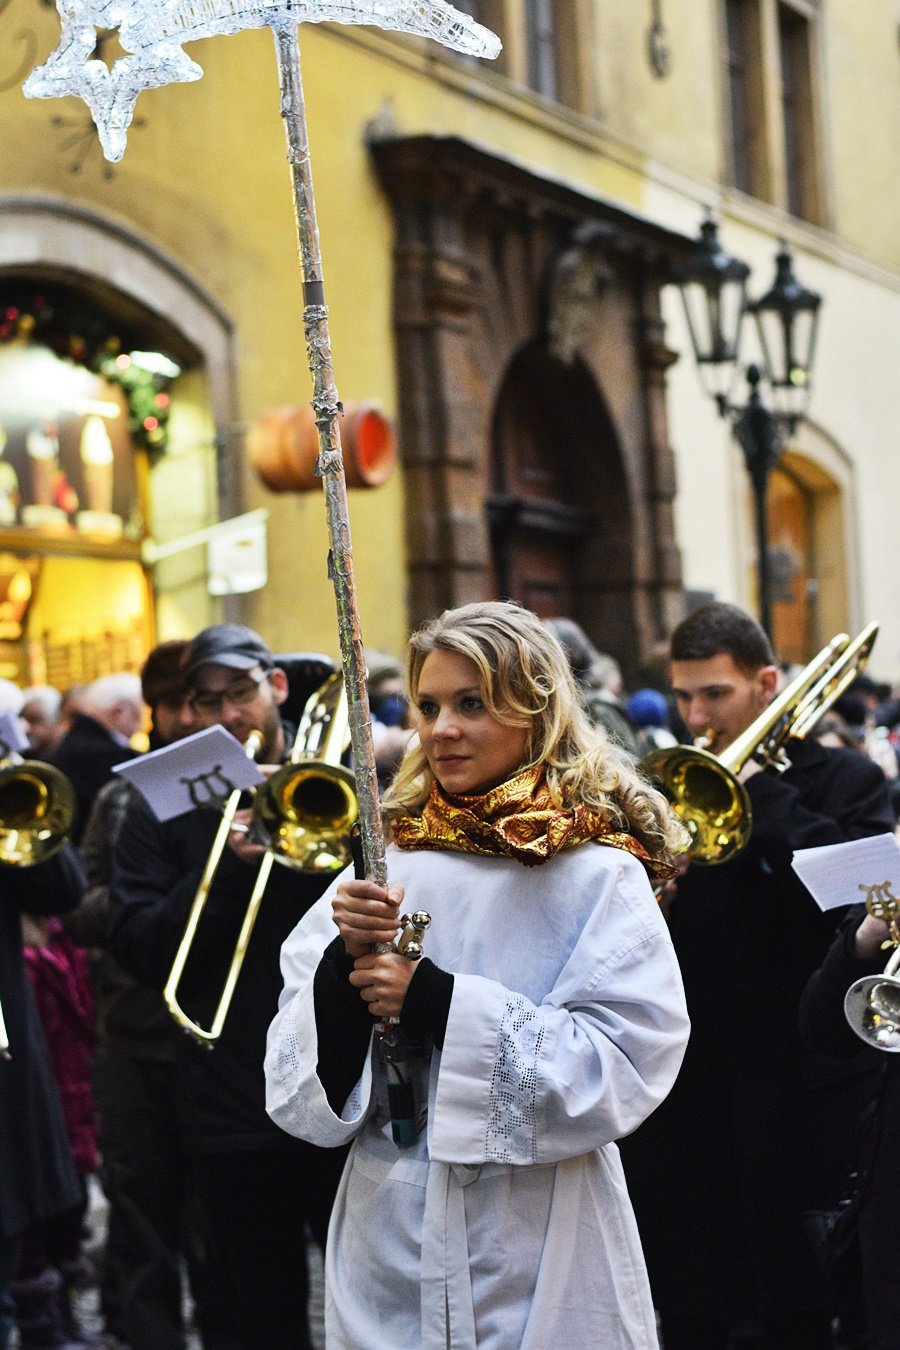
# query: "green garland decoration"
74,332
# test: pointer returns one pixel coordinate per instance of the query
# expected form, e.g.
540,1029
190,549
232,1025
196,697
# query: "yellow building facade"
497,241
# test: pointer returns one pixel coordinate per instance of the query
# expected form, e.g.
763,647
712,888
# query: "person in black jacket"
99,738
256,1189
754,1133
38,1180
145,1171
857,951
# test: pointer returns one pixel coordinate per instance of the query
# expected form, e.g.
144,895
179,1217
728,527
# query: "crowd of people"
629,1087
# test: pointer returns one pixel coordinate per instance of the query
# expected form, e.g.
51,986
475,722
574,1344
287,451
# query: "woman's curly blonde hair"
525,681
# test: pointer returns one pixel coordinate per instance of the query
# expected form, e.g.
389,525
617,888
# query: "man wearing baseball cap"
256,1185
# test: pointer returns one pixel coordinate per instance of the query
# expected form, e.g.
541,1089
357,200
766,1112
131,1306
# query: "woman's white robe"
508,1225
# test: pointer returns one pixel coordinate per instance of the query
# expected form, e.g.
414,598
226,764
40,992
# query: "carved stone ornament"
579,277
151,32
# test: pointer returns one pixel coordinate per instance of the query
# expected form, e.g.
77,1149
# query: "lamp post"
713,287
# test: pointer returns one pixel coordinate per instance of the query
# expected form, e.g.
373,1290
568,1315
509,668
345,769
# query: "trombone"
705,790
4,1037
302,814
872,1004
37,810
252,746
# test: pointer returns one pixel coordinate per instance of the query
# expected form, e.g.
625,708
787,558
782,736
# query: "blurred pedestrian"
41,715
600,679
389,706
649,712
37,1174
99,738
52,1252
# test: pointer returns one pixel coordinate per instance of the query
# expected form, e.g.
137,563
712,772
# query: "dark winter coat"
37,1174
86,755
824,1028
156,871
755,1132
130,1017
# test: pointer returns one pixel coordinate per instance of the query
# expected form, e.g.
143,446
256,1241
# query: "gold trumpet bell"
303,815
707,797
37,812
872,1007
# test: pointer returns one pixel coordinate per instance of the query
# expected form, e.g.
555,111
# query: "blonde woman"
549,1011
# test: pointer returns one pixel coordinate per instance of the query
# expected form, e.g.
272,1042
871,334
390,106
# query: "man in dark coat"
37,1175
858,951
257,1188
99,738
754,1133
145,1171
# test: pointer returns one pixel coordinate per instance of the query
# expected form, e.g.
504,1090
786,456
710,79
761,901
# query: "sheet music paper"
200,770
845,874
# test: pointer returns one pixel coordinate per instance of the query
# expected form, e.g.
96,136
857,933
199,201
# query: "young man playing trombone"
256,1186
753,1134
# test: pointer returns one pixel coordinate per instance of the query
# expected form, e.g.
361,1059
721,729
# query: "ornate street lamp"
713,287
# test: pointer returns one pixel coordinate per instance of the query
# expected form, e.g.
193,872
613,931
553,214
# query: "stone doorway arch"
560,521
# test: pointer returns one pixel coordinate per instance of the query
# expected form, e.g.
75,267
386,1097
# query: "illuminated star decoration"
110,94
151,33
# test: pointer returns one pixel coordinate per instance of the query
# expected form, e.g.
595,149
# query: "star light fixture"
151,33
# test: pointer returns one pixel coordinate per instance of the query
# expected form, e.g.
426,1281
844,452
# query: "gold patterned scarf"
518,819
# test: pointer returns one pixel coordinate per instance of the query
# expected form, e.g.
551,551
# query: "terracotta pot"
282,445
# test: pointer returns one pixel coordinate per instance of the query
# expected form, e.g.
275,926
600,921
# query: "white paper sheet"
198,771
848,874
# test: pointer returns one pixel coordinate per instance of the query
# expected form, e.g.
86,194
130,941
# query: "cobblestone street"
88,1303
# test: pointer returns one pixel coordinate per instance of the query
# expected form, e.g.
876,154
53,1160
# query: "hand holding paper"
201,770
851,874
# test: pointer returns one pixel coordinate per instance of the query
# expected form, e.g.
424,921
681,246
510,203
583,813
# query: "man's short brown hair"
719,627
163,674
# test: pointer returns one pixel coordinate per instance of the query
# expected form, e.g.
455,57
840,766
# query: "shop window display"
84,404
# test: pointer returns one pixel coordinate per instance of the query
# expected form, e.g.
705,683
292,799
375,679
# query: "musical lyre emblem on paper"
209,787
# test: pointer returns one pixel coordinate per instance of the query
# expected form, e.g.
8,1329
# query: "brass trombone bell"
37,811
303,814
708,798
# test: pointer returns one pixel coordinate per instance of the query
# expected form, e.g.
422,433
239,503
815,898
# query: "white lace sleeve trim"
510,1133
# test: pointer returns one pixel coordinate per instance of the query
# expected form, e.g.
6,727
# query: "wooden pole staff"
330,463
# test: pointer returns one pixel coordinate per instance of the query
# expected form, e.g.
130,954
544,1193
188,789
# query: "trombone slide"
170,991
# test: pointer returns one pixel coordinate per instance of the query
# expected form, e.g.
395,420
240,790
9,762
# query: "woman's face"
467,749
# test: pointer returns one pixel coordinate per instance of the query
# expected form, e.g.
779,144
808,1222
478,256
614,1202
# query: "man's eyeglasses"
238,695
